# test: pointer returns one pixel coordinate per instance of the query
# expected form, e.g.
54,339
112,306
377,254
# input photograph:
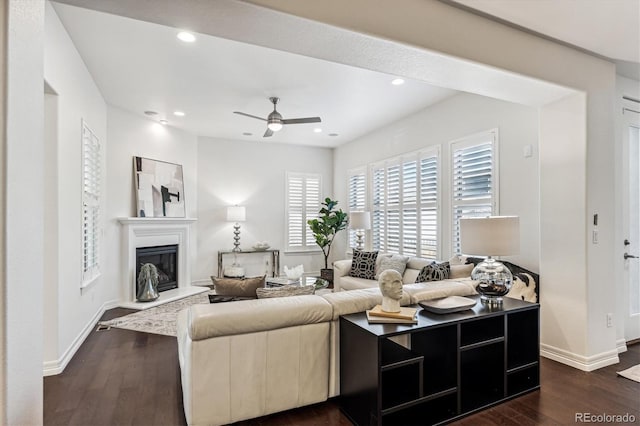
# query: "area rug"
632,373
158,320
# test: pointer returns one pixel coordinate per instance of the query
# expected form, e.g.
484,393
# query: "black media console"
458,363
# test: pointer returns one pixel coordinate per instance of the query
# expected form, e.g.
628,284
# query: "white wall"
78,99
132,135
630,88
23,211
462,115
251,174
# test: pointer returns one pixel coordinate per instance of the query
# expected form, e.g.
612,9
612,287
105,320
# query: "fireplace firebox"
166,260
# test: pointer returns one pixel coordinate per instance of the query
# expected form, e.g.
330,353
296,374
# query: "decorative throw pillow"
461,271
363,264
396,262
284,291
434,272
240,287
525,284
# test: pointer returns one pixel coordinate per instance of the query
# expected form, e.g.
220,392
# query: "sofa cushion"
460,271
434,272
240,287
285,291
396,262
225,319
437,289
363,264
349,302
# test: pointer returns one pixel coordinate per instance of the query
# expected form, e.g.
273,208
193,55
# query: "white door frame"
631,118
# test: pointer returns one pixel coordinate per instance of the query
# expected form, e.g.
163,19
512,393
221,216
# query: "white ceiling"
140,66
609,28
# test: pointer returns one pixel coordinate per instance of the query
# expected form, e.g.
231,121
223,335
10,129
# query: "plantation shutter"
404,204
91,183
473,180
303,203
357,186
429,206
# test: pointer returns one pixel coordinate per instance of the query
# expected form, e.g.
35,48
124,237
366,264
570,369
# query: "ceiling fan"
275,120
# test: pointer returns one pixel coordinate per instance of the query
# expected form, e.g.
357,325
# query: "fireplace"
165,259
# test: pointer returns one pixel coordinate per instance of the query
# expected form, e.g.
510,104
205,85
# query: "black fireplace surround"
166,260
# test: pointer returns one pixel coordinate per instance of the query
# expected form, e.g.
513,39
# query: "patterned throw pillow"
434,272
396,262
363,264
284,291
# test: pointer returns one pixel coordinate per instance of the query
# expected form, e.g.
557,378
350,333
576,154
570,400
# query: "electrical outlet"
609,320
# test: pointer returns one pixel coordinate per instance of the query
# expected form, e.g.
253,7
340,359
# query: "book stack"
405,316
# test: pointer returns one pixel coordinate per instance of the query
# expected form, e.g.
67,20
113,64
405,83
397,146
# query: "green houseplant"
329,222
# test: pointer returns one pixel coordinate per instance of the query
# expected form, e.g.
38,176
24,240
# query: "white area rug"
632,373
158,320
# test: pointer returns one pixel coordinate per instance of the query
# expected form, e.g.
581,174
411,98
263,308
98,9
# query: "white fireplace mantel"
149,232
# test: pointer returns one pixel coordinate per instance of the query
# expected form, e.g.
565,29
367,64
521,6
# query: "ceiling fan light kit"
275,121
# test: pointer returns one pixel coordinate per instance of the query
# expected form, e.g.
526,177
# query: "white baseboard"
580,362
51,368
621,345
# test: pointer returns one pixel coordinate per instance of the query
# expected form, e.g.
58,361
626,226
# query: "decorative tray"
447,305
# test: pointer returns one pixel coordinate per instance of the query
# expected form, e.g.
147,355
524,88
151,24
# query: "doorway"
631,156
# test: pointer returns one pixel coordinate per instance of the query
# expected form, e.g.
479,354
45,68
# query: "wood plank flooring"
121,377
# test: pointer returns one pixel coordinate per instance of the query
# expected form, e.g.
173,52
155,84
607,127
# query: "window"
474,180
303,203
404,204
357,187
91,182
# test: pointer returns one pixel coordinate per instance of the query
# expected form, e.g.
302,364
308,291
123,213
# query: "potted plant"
329,222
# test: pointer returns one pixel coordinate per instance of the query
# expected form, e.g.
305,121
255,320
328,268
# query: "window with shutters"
303,203
357,189
474,190
404,204
91,183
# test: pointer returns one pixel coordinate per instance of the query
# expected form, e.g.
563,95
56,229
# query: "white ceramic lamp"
491,236
360,222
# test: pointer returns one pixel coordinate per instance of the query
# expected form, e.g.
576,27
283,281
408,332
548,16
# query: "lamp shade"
236,214
490,236
360,220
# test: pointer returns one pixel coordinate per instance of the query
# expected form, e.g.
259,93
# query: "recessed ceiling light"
247,134
178,113
151,113
397,81
317,130
164,122
186,37
333,134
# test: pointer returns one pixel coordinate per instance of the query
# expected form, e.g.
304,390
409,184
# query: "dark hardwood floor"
121,377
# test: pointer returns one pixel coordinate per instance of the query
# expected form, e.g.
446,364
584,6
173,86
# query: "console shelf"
449,366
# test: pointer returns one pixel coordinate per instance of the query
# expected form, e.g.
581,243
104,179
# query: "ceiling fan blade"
268,133
302,120
249,115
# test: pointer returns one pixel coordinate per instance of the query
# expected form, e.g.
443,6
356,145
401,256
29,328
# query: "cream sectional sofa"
250,358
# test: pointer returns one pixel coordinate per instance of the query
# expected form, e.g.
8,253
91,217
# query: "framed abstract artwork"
159,188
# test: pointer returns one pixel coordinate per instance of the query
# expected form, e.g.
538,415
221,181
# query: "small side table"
275,259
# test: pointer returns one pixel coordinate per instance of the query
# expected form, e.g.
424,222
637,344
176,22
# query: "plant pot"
327,274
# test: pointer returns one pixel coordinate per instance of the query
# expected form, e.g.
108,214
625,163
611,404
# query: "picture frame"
159,188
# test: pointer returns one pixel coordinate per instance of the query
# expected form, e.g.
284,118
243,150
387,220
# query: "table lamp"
491,236
360,222
236,214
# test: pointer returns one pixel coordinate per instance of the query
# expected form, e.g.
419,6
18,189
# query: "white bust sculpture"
390,282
